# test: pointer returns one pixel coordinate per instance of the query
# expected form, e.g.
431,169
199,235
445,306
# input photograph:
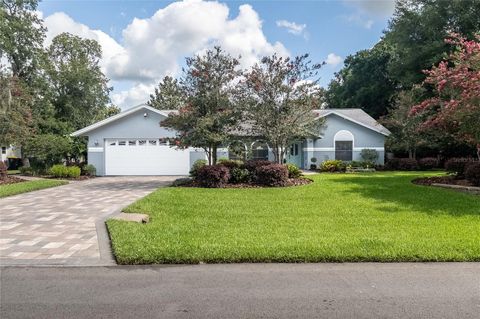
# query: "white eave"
115,117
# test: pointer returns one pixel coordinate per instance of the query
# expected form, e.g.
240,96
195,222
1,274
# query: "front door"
294,155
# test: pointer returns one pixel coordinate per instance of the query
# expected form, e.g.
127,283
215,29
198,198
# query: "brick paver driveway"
63,225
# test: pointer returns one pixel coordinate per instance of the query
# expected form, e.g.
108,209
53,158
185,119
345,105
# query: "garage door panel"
144,157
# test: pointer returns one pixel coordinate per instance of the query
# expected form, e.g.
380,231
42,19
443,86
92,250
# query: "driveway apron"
65,225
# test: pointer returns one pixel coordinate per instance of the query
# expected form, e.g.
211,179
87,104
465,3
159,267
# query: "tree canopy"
281,96
210,111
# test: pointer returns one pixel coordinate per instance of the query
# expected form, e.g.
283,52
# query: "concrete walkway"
63,225
362,290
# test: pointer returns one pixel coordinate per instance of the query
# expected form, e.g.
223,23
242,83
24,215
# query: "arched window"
237,150
343,145
259,150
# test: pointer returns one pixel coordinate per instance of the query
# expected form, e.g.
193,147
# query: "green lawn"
13,172
340,217
28,186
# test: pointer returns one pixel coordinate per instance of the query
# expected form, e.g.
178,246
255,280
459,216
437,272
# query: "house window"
122,143
344,150
4,150
113,143
132,143
259,150
152,142
294,150
142,142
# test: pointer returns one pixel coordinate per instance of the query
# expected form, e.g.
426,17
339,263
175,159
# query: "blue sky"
145,40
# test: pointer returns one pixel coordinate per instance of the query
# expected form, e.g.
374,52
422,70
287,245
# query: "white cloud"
383,8
60,22
292,27
360,20
137,94
333,59
154,47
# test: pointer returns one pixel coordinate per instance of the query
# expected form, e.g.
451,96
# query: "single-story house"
10,153
133,143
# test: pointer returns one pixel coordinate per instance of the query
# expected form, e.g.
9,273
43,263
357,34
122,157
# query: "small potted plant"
313,166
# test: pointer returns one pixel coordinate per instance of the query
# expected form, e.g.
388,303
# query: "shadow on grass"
399,190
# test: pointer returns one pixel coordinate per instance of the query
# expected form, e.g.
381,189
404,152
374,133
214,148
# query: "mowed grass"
28,186
338,218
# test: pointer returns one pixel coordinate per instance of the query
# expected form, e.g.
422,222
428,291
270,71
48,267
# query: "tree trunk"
478,151
214,154
208,151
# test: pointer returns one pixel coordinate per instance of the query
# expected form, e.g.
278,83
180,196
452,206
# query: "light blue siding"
324,148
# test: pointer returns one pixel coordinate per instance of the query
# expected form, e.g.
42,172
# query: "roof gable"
357,116
118,116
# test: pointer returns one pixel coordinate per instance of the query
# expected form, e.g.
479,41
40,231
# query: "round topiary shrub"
427,163
272,175
472,173
213,176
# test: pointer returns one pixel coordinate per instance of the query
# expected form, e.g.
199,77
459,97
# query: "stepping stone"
138,218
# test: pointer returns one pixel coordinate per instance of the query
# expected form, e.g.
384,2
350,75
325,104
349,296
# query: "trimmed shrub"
240,175
472,173
402,164
198,164
333,166
362,164
89,170
213,176
230,163
26,170
407,164
181,181
457,166
293,171
392,164
427,163
252,165
272,175
65,171
369,155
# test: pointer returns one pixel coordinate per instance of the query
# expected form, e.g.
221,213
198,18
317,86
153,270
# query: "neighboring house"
134,143
9,152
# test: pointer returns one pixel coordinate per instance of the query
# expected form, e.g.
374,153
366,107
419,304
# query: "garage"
144,157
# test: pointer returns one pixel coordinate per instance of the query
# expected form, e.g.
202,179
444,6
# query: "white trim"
352,120
344,135
95,149
332,149
319,149
117,117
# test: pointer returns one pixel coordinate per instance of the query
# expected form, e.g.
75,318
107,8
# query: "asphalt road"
367,290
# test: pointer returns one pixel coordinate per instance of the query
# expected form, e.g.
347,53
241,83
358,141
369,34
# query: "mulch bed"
450,180
292,182
11,180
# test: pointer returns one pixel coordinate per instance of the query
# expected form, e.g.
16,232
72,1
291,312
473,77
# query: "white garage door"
144,157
